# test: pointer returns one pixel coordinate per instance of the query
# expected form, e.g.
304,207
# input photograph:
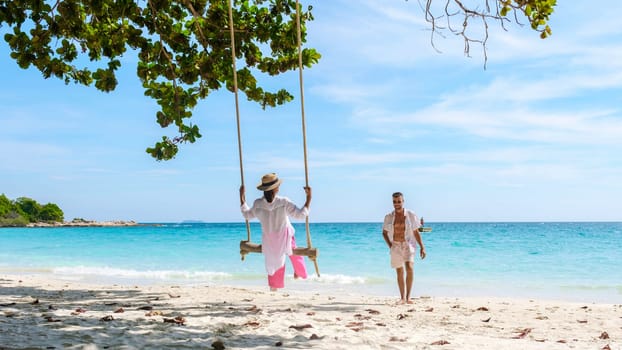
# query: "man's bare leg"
409,281
400,283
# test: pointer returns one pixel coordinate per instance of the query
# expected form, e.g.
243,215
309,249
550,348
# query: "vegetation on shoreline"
23,211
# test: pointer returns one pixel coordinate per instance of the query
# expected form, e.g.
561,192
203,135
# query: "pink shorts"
401,253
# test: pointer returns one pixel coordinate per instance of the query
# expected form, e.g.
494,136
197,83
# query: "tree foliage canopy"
184,46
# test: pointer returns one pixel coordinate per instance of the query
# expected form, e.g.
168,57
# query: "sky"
534,135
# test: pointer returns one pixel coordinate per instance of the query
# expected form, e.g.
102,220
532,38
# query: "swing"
247,246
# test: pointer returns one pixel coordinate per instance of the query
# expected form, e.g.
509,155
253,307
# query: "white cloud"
508,107
569,127
514,90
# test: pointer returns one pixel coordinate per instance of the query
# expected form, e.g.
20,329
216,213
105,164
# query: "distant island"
83,223
27,212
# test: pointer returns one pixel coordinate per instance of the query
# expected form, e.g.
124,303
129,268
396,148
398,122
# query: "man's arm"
420,242
385,234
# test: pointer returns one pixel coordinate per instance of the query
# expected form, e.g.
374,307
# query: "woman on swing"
277,232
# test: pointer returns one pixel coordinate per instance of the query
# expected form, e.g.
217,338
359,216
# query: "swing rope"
304,130
237,109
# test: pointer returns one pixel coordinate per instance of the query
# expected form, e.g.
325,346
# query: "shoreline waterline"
336,285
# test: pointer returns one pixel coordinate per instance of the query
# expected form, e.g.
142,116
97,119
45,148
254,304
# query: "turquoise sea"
565,261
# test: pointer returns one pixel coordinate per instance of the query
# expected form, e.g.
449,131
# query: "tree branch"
537,13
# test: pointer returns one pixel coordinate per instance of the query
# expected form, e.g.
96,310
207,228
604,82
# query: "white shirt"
412,223
276,229
274,217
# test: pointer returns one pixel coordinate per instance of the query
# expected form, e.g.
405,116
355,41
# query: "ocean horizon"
574,261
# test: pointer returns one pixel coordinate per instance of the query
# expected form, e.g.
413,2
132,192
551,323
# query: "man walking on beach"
401,232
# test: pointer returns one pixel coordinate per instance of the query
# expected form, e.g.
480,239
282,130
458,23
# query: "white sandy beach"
40,313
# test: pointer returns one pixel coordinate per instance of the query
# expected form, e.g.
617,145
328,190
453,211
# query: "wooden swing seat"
249,247
425,229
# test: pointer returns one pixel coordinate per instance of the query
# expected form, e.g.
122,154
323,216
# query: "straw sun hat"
269,182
